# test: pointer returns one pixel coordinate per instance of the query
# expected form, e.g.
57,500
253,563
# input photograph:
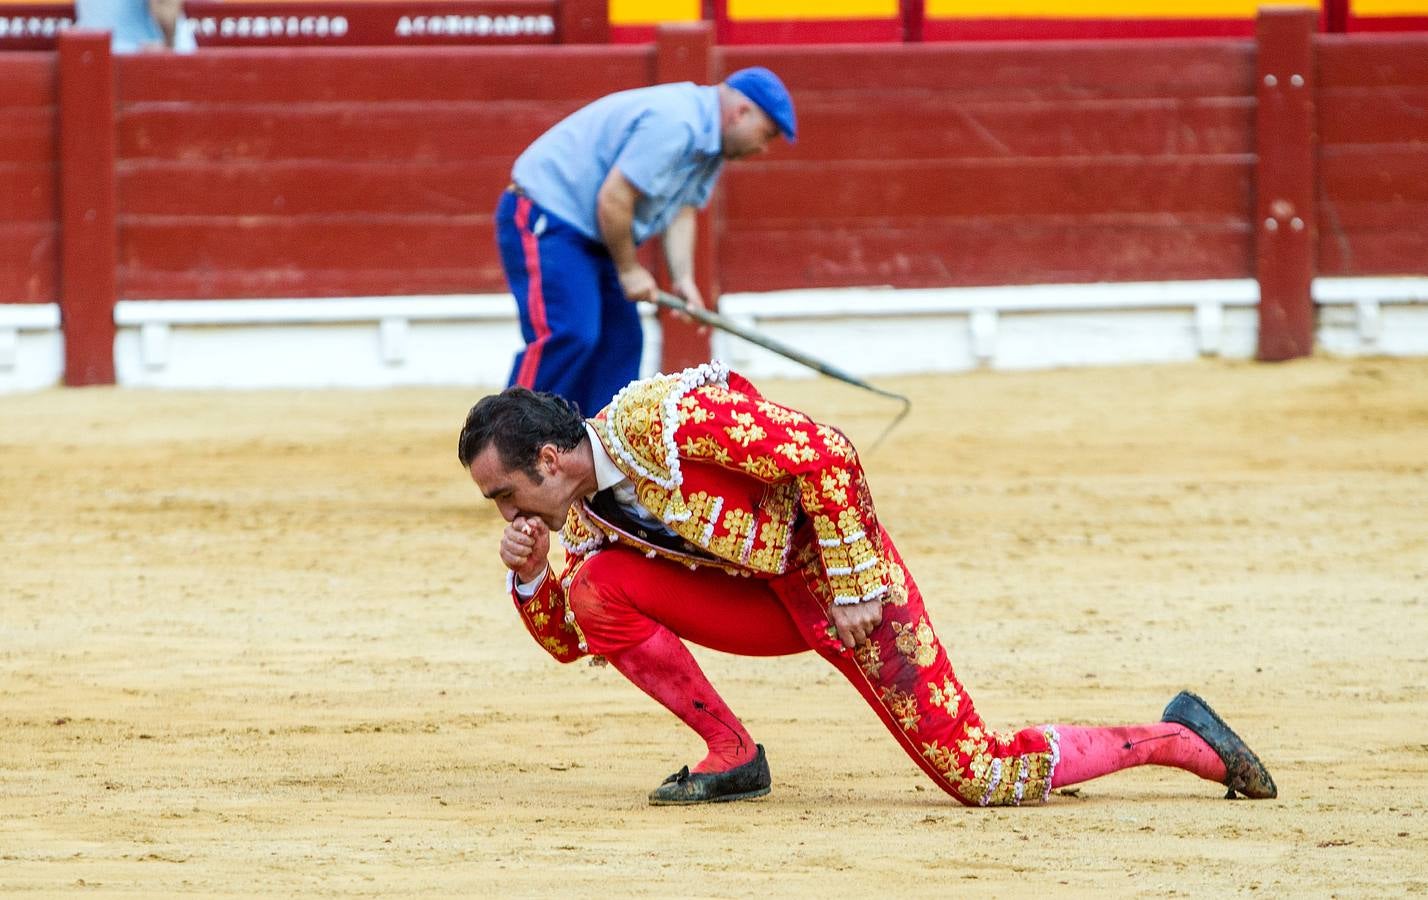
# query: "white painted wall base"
471,339
882,331
358,342
31,347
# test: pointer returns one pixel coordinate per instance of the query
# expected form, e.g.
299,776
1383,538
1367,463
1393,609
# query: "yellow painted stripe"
1103,9
1388,8
792,10
653,12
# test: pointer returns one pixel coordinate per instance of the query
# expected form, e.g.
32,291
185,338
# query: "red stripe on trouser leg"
903,672
535,298
1088,753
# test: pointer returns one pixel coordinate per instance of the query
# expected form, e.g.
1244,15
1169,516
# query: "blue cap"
767,91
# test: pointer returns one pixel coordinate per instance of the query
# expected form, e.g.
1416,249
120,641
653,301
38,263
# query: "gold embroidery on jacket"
706,447
780,415
836,443
764,468
745,431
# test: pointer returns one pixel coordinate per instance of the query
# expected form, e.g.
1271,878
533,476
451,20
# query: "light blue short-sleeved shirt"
665,139
132,26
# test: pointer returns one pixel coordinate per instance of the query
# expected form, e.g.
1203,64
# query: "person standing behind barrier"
584,195
139,26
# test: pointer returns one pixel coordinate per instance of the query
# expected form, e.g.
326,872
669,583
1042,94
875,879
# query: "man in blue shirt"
593,188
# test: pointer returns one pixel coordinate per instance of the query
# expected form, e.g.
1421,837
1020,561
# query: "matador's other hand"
856,621
525,544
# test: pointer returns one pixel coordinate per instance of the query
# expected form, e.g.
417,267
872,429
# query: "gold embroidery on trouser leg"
903,706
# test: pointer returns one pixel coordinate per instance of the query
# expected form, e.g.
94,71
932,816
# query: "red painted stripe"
1079,29
828,31
535,299
1386,23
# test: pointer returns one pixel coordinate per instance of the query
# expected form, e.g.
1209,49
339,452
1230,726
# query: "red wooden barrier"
937,165
29,180
87,204
1284,206
1372,107
334,172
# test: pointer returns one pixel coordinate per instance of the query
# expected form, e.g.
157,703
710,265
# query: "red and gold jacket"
735,476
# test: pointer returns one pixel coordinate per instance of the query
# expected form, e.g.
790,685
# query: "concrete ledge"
471,339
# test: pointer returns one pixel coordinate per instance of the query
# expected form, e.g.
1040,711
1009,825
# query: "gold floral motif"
917,642
947,696
745,430
795,453
868,657
764,468
895,596
539,619
781,415
836,443
812,500
897,584
706,447
903,707
717,394
833,490
798,436
943,760
691,411
553,646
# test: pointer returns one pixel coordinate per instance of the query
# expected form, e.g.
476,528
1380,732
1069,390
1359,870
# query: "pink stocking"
663,667
1088,753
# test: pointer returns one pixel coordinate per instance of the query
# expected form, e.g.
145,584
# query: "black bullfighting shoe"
740,783
1243,770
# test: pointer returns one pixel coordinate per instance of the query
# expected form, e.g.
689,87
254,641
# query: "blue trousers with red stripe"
583,337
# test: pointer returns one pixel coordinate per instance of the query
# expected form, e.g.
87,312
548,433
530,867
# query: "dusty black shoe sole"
725,798
685,788
1244,773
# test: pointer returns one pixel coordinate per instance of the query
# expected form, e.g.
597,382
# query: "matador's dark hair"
519,422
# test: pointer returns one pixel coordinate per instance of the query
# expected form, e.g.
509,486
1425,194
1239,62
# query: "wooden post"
584,21
88,239
685,53
1285,225
913,13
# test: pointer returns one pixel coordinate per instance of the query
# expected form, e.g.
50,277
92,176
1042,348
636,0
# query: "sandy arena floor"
256,644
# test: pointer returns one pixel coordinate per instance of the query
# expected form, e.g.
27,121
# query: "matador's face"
547,496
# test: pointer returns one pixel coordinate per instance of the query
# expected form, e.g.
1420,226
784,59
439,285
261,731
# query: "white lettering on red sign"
474,26
261,27
33,26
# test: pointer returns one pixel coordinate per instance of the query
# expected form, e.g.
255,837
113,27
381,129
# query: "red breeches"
622,599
